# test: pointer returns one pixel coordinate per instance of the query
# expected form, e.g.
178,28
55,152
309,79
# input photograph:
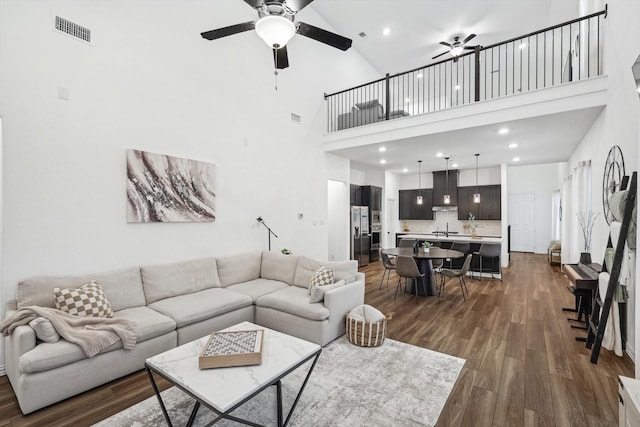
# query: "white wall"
542,181
618,124
390,224
151,82
338,220
466,178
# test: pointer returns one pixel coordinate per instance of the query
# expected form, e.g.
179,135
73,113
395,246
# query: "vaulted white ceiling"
415,29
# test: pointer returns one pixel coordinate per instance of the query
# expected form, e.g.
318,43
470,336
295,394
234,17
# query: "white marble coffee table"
224,389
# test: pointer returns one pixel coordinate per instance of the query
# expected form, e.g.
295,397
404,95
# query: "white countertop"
464,238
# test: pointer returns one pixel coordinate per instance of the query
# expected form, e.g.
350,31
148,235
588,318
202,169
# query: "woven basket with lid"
366,326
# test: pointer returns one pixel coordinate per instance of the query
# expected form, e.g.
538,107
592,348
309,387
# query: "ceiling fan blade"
469,37
228,31
280,58
470,47
324,36
440,54
297,5
255,3
445,44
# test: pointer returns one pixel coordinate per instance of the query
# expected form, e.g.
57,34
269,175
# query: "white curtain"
576,200
566,220
555,216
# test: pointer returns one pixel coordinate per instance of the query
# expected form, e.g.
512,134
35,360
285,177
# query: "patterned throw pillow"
321,277
87,301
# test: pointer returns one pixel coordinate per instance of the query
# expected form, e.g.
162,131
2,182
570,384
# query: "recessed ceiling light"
382,149
513,145
503,131
383,161
405,170
386,31
516,159
457,87
522,45
406,100
455,165
439,154
420,76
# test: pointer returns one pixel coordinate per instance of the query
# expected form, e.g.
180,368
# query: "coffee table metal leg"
279,403
157,392
304,384
192,418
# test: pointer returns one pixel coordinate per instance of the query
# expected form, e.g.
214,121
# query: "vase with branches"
587,220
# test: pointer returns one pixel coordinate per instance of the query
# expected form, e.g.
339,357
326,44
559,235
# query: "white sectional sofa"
172,304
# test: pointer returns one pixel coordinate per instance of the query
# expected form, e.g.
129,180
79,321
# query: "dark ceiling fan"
456,47
276,27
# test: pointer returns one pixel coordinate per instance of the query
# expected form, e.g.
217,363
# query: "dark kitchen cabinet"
490,203
355,195
372,197
410,209
440,187
465,203
489,208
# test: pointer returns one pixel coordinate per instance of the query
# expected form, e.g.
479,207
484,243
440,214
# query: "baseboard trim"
2,371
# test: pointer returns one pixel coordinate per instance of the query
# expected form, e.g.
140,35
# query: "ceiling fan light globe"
457,50
276,31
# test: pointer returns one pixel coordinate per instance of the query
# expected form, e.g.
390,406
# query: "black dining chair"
406,267
389,266
450,273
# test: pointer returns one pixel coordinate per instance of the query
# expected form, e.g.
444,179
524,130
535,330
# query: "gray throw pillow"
317,294
44,330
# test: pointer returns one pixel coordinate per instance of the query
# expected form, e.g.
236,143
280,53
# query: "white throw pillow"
318,292
44,330
322,277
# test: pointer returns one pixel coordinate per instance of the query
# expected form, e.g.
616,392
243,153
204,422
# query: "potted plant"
426,246
286,251
473,225
587,220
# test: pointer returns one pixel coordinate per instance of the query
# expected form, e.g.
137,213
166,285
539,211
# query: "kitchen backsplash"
485,228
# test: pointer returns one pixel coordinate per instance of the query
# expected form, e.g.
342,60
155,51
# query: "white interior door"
522,220
391,215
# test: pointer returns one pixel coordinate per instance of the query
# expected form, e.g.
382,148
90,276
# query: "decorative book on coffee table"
237,348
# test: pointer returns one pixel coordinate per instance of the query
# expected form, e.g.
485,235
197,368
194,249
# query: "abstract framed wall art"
163,188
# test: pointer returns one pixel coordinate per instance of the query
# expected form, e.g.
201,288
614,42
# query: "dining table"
425,265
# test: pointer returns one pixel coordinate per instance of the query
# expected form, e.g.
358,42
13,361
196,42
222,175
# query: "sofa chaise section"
45,373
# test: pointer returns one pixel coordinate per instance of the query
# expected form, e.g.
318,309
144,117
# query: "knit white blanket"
92,334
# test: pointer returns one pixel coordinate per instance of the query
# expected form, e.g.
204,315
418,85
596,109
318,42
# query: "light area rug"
396,384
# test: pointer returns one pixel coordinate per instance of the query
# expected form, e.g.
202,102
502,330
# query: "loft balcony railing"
563,53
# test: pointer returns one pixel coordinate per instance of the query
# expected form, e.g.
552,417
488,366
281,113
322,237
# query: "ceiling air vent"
296,118
74,30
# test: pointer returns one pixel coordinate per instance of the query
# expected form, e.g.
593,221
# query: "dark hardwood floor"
523,366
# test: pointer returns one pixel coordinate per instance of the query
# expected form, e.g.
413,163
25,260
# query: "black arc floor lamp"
269,231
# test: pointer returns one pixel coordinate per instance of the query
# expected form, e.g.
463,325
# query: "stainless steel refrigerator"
360,237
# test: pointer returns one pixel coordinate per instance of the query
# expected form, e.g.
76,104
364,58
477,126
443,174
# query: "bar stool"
407,243
460,247
490,251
